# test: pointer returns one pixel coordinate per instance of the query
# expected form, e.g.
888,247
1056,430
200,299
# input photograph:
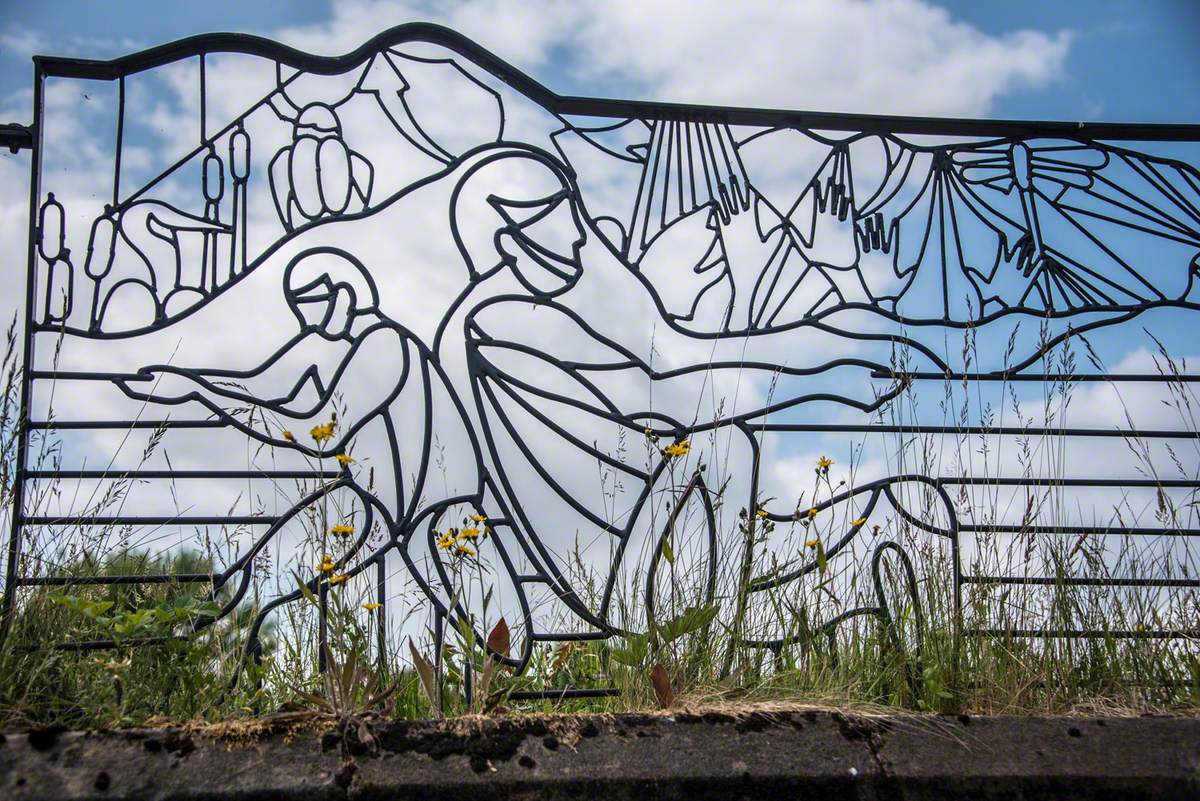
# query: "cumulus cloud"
868,56
881,56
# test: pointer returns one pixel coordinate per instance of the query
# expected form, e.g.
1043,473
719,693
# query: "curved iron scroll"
749,234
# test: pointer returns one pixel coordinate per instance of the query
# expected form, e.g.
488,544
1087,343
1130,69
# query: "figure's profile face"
325,288
312,310
542,244
518,211
329,310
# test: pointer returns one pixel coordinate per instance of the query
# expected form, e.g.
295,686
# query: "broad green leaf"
467,632
305,591
634,653
691,619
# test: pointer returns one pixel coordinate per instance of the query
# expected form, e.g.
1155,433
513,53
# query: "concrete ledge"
685,755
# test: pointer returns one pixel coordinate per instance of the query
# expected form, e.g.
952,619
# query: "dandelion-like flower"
478,518
341,531
761,513
323,432
812,513
814,543
824,463
326,565
470,533
858,522
339,579
679,448
371,607
447,540
289,436
464,550
343,459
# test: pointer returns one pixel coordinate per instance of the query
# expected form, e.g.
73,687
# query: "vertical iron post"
22,455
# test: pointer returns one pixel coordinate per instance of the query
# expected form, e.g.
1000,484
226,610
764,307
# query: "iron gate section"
569,243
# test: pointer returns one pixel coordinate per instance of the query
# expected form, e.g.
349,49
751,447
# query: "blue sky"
1128,60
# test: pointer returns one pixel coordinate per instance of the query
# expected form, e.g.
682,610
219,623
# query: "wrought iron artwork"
454,322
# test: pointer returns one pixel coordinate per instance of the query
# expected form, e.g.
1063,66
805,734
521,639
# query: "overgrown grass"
926,657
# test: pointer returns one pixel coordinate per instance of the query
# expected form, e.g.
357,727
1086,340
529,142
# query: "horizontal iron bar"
1149,634
121,425
1081,581
840,428
1039,481
570,636
597,107
77,375
163,578
172,474
150,520
554,695
1062,377
826,428
99,645
1080,529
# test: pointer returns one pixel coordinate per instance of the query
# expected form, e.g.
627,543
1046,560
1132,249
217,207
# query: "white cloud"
868,56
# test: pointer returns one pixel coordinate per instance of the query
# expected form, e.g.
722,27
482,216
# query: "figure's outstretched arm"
820,371
306,397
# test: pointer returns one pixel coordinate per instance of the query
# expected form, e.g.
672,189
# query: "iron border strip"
248,44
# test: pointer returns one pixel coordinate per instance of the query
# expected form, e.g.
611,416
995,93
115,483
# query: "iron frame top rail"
21,137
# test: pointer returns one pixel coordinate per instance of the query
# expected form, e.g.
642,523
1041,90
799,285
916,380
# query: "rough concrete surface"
686,755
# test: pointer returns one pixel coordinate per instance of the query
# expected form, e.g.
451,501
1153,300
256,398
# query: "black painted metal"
16,137
1004,179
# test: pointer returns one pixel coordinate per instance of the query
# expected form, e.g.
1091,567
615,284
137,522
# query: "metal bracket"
16,137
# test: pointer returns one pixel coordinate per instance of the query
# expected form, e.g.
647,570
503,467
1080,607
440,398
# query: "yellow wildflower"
289,436
464,550
761,513
323,432
812,543
858,522
471,533
812,513
371,607
341,531
679,448
343,459
478,518
326,565
340,579
1139,627
824,463
447,540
